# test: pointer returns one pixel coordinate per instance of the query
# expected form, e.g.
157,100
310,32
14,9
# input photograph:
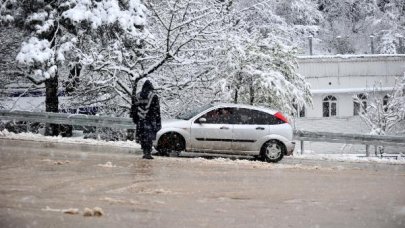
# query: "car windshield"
190,114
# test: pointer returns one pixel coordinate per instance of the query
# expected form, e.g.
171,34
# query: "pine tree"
57,29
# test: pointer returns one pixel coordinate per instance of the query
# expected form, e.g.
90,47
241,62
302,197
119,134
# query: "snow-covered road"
42,180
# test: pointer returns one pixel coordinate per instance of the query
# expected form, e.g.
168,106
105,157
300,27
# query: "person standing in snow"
146,116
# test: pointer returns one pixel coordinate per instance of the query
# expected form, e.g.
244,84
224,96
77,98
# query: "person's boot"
147,155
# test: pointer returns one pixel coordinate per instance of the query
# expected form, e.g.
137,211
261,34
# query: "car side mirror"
202,120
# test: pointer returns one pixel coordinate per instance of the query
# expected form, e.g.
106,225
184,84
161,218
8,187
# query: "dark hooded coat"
146,113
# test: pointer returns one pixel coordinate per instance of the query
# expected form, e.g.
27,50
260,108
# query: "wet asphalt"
41,181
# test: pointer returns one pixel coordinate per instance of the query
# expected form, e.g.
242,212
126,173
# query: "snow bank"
59,139
397,159
389,159
220,161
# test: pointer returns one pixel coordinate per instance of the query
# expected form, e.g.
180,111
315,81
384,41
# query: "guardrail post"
302,147
375,150
367,150
98,133
131,134
28,126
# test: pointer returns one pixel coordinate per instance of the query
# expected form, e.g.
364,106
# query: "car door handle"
260,128
224,128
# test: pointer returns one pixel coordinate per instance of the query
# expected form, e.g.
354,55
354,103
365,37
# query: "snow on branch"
383,112
130,16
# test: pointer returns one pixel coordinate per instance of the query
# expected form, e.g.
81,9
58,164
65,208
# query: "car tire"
272,151
171,144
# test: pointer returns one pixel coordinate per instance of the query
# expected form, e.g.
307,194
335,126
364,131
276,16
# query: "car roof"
232,105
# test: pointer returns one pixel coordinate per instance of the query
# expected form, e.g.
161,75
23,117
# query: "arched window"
359,104
385,102
329,106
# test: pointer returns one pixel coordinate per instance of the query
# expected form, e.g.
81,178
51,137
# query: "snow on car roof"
259,108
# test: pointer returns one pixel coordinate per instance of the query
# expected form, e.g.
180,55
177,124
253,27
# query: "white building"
336,79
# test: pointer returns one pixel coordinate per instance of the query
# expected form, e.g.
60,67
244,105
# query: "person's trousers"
146,146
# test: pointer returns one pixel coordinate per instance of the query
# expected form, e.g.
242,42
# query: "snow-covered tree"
6,11
251,50
302,19
11,76
57,29
390,27
258,65
175,53
382,114
354,21
260,70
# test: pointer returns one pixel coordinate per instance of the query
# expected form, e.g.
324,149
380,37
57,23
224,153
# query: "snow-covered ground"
388,159
308,155
76,140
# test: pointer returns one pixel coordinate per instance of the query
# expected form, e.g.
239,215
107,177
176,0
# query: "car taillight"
281,117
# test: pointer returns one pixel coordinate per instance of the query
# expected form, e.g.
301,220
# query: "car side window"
243,116
220,116
255,117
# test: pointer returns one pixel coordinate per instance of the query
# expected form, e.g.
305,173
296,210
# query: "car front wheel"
272,151
171,144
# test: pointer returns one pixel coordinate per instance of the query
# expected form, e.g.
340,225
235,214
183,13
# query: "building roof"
351,90
349,57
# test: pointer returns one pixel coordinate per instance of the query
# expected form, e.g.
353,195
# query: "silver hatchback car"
228,129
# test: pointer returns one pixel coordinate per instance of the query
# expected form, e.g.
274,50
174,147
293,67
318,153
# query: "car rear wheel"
171,144
272,151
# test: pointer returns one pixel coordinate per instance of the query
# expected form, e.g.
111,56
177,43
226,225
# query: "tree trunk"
52,103
131,132
235,99
252,95
70,87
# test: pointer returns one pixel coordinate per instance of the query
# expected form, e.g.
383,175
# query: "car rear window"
255,117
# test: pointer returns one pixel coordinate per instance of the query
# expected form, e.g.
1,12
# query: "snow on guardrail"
67,118
365,139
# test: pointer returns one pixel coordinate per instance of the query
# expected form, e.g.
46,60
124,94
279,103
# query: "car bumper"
290,148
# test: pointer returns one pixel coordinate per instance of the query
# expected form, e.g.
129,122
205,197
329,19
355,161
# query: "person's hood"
146,89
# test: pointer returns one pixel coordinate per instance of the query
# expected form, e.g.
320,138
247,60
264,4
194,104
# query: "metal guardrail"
365,139
67,118
126,123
